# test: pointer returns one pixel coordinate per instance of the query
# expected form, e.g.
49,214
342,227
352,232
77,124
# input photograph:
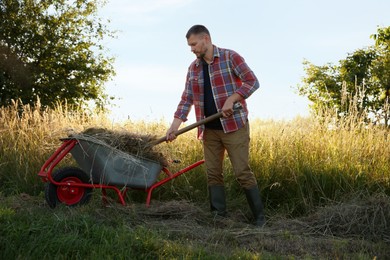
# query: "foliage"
381,69
360,83
52,49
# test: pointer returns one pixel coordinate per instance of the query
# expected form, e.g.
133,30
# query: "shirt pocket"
194,83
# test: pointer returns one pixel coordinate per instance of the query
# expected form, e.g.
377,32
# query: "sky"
274,37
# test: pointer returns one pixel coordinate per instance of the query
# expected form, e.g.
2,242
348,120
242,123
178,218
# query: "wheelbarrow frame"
69,143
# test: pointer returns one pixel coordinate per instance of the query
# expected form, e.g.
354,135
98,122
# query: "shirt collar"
215,55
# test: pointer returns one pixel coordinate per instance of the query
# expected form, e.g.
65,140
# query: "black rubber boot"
217,200
254,201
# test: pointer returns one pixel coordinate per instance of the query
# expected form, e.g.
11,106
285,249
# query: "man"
216,80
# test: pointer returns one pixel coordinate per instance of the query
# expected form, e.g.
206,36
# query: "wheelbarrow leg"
123,196
170,176
120,194
149,196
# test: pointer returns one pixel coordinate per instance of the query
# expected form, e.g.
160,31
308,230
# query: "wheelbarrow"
107,168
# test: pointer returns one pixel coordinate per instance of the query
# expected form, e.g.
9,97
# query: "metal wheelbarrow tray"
101,167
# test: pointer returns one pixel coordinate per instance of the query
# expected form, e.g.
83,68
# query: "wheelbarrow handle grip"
190,127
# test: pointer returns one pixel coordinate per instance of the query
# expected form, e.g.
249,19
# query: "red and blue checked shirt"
229,74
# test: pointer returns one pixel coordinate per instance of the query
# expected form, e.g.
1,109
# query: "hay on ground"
362,217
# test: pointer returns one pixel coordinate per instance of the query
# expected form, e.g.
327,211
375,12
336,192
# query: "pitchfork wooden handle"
188,128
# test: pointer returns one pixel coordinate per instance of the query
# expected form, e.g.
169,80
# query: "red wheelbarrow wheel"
68,195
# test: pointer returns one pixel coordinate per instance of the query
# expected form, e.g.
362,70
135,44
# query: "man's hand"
170,135
227,109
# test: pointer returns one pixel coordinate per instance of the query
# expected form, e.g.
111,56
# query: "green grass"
82,234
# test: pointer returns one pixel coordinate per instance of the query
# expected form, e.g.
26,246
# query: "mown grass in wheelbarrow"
131,143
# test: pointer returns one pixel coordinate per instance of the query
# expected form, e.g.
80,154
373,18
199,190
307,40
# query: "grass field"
325,186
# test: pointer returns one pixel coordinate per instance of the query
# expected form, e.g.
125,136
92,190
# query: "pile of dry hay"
365,217
131,143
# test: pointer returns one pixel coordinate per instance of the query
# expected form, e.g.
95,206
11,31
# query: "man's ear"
207,38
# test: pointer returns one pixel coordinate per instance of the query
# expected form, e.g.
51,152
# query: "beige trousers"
215,143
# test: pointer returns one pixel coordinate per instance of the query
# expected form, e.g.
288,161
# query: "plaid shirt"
229,74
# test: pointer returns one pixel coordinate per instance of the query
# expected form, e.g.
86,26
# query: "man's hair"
197,29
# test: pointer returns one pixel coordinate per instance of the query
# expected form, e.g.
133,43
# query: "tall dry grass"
302,164
299,164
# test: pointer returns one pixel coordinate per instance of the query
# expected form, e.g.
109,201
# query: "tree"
381,72
359,84
52,49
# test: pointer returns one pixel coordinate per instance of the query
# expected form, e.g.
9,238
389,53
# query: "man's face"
198,44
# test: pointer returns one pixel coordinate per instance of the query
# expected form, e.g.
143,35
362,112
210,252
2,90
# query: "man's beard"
202,54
